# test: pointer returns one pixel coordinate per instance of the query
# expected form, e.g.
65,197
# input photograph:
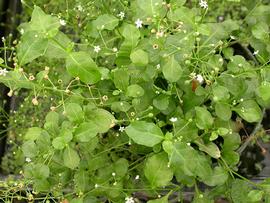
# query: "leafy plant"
148,97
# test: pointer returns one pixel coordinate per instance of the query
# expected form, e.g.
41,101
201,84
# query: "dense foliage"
141,97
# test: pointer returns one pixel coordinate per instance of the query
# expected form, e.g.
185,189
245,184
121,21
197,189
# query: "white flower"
114,49
121,15
3,72
173,119
129,200
113,174
62,22
97,49
137,177
22,31
199,78
122,129
255,52
158,66
80,8
28,159
203,4
138,23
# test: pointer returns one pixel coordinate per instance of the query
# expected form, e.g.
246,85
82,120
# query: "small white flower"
113,174
28,159
97,49
114,49
3,72
203,4
159,34
96,185
121,15
129,200
199,78
137,177
62,22
138,23
122,129
173,119
158,66
22,31
80,8
255,52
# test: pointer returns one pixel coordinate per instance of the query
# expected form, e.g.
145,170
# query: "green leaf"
161,102
31,47
15,80
44,23
80,64
203,166
135,91
231,141
62,141
218,177
106,22
261,31
210,148
255,195
156,170
249,110
204,119
120,106
120,168
59,46
131,34
86,131
220,93
172,71
143,133
139,57
30,149
264,91
82,181
33,133
223,111
181,157
71,158
151,8
239,191
74,112
121,79
102,119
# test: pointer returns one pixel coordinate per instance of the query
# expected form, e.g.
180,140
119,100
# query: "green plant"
150,92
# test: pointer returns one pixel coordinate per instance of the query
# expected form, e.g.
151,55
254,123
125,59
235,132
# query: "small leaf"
172,70
71,158
151,8
204,119
220,93
80,64
135,91
264,91
143,133
139,57
249,110
156,170
33,133
106,21
161,102
210,148
121,79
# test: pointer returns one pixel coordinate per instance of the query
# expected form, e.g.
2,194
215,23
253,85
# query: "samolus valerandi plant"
148,99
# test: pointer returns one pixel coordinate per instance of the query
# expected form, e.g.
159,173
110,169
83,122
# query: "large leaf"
74,112
86,131
218,177
80,64
71,158
44,23
151,7
157,171
139,57
172,71
143,133
249,110
31,47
